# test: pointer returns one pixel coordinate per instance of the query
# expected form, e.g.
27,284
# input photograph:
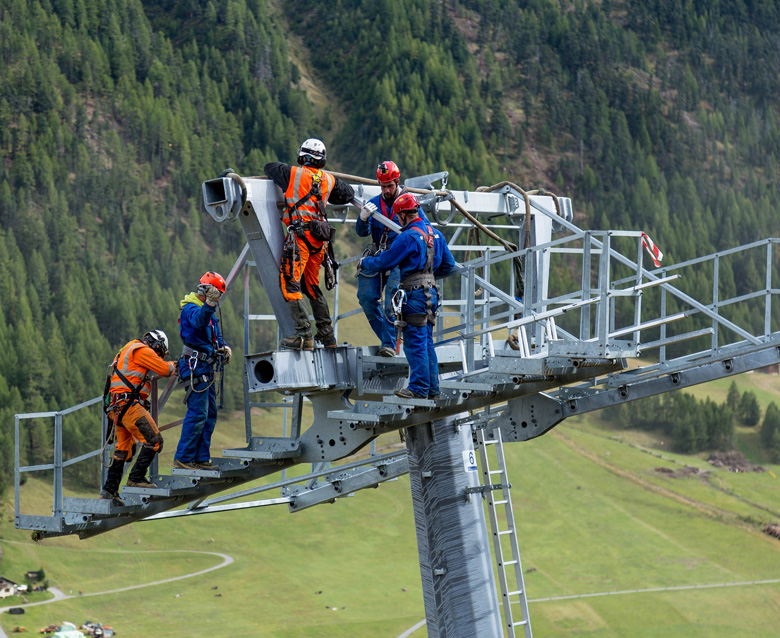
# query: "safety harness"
423,279
113,402
298,228
193,357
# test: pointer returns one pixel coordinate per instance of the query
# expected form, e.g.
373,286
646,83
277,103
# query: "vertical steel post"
153,466
768,298
57,509
459,586
586,281
602,309
245,374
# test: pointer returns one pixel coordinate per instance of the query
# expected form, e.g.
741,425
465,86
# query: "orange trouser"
137,425
306,269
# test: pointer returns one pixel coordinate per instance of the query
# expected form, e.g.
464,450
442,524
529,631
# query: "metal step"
225,468
266,449
417,403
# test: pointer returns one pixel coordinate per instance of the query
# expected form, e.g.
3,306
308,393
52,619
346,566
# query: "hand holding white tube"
369,208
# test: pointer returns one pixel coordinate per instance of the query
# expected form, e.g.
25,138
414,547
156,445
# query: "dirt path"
59,595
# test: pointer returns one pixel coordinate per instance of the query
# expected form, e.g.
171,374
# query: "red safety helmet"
214,279
406,202
387,172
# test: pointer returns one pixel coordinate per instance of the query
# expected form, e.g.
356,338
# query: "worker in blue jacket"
371,286
203,354
422,255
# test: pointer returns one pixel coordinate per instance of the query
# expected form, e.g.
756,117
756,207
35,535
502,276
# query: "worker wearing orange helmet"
204,354
127,404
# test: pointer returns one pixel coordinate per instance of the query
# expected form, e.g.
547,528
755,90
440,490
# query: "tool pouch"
321,230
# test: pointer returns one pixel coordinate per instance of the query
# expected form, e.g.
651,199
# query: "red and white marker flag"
655,254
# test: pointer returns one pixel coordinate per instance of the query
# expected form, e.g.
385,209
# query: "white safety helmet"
157,340
313,153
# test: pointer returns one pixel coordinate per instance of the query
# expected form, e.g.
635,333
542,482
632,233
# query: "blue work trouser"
370,298
423,364
199,422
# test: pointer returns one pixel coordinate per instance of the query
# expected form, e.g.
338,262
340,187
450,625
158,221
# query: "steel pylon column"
459,586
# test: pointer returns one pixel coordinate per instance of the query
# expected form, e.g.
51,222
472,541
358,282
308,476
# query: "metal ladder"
512,585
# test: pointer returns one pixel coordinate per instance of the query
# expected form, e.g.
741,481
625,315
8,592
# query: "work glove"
212,295
369,208
227,353
226,172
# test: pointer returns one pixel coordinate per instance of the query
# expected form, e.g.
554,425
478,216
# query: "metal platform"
519,366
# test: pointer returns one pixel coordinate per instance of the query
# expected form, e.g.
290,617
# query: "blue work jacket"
199,329
409,253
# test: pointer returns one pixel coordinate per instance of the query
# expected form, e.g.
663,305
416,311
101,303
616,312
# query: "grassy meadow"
593,515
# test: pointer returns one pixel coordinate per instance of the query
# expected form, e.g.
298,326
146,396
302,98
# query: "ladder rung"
510,562
496,472
500,502
505,532
521,622
514,593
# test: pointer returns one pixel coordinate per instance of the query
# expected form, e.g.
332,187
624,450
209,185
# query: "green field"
593,515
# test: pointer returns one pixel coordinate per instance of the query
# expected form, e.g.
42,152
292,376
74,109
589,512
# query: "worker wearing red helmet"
371,286
422,255
307,189
204,354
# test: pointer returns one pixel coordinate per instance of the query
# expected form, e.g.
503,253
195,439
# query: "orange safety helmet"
387,172
214,279
406,202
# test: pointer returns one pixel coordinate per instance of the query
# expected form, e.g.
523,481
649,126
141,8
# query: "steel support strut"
459,587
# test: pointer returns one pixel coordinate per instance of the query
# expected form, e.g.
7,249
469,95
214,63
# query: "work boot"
385,351
434,396
183,465
142,483
206,465
328,342
406,393
297,342
114,498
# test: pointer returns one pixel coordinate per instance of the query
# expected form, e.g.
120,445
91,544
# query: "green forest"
650,115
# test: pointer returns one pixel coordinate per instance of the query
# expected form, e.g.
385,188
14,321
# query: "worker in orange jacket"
127,404
307,189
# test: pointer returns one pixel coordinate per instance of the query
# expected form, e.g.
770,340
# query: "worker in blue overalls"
371,286
422,255
204,354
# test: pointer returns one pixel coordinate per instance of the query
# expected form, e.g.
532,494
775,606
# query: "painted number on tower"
469,460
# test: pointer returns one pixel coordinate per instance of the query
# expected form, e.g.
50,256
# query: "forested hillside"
651,115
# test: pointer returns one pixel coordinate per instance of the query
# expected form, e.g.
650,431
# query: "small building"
7,587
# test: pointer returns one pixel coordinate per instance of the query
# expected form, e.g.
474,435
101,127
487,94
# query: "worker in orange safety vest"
127,404
307,189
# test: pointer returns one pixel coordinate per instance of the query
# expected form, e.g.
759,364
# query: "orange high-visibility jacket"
301,178
134,361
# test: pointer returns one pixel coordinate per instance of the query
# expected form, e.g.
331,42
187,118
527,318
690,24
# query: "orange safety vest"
302,179
133,372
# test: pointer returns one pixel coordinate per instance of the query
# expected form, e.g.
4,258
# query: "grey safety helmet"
312,153
157,340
